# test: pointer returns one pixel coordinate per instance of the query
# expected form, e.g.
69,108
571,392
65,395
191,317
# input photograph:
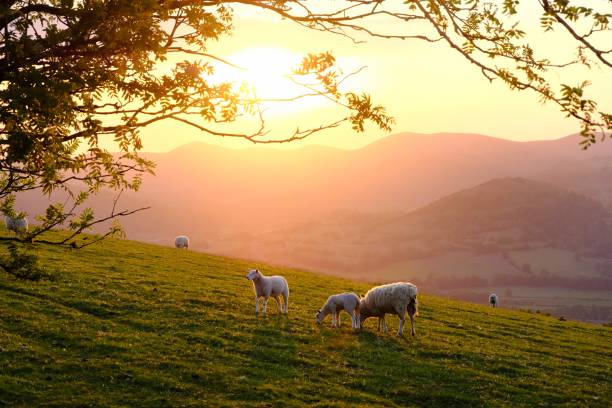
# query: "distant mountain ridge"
211,192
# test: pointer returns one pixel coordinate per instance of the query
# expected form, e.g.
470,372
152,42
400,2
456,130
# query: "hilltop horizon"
319,145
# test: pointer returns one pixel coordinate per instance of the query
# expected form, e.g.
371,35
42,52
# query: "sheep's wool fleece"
384,295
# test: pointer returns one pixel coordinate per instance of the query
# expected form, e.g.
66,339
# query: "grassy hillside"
133,324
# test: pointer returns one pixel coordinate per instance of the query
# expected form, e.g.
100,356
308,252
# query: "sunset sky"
428,88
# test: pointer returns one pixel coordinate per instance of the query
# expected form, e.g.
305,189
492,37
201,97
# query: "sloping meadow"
125,323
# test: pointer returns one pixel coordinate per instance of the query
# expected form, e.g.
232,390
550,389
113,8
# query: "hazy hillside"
132,324
511,213
215,194
499,215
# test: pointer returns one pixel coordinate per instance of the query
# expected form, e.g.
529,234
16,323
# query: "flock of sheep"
394,298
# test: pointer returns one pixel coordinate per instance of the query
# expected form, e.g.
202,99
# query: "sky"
428,88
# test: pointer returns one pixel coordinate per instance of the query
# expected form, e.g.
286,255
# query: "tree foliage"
75,73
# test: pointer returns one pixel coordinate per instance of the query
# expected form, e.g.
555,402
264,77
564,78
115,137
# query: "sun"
267,71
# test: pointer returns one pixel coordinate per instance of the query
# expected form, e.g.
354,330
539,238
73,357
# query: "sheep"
18,225
182,241
348,302
493,300
266,286
391,298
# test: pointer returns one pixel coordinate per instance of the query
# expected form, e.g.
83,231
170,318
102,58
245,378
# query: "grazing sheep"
266,286
348,302
182,241
18,225
493,300
394,298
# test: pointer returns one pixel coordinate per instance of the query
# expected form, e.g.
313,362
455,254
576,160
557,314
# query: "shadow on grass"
271,358
391,368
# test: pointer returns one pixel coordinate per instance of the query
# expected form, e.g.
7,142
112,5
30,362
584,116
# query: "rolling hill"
128,323
508,214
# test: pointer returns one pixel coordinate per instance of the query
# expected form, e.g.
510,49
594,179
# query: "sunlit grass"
130,324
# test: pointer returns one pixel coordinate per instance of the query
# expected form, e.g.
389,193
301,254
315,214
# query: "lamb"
266,286
348,302
182,241
391,298
18,225
493,301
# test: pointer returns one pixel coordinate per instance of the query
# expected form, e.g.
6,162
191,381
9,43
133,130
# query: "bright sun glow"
267,70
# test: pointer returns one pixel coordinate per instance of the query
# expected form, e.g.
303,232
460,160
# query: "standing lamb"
182,241
348,302
493,301
266,286
394,298
18,225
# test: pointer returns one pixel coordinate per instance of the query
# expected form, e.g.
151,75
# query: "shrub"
23,264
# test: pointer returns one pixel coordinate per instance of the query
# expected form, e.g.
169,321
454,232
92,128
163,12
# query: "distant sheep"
348,302
269,286
394,298
18,225
493,300
182,241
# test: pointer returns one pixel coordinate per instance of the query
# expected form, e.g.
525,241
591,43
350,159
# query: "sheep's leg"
279,306
265,305
256,304
400,331
286,301
385,327
402,317
412,323
353,320
338,318
333,319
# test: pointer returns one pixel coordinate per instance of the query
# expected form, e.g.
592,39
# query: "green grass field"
130,324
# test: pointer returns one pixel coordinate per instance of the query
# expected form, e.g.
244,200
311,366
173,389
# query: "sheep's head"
319,316
413,307
364,313
253,274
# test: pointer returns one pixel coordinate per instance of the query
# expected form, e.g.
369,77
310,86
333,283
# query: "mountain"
508,214
214,194
132,324
513,212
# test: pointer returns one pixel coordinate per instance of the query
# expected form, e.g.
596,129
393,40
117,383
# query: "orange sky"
428,88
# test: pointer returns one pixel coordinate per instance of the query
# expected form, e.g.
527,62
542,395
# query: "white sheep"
182,241
269,286
349,302
18,225
394,298
493,300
